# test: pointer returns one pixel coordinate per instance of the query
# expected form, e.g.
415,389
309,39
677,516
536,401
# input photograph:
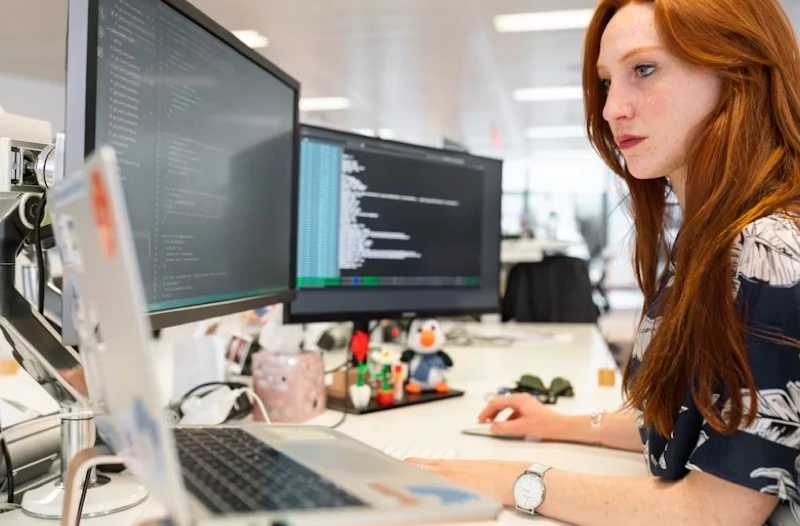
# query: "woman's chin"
644,173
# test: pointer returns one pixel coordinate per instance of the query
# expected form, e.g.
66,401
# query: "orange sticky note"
8,367
606,377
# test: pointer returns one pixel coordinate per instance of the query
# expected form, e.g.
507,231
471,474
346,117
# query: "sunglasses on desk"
534,386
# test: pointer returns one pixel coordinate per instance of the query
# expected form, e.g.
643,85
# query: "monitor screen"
387,229
206,135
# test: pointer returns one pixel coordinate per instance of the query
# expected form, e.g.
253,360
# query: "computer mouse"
486,431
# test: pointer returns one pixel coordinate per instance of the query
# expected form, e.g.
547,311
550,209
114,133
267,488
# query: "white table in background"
479,370
529,250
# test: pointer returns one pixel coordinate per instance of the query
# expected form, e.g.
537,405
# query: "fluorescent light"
549,94
364,131
324,104
252,38
555,132
544,21
386,133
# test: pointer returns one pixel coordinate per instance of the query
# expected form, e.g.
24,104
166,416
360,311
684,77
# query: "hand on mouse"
529,417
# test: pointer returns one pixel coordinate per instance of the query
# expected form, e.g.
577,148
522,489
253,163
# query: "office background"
414,70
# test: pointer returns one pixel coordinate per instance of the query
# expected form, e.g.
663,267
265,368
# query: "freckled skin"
665,105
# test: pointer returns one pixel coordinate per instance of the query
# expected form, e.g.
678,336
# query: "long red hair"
744,163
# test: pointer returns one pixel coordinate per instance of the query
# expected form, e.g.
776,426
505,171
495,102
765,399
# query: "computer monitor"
207,138
394,230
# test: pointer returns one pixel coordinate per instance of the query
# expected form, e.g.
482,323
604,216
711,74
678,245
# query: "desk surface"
575,353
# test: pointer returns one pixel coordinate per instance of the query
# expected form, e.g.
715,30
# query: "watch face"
528,491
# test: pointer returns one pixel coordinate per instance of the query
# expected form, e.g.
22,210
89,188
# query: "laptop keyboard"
230,470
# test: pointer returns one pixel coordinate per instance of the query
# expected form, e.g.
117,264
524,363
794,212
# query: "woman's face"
655,101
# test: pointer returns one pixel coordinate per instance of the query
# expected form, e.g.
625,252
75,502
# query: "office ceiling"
423,68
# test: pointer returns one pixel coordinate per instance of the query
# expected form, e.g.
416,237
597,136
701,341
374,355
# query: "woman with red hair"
700,99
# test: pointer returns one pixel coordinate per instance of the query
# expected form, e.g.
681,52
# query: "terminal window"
204,141
372,218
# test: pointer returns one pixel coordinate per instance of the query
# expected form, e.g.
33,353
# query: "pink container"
292,386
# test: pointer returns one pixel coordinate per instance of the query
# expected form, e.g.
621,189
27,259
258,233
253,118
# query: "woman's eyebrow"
601,68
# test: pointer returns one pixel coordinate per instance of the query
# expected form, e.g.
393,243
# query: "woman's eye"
644,70
605,84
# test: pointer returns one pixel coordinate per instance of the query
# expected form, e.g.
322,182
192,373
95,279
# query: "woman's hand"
491,478
529,417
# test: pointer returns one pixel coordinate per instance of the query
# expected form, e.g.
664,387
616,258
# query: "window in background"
514,213
577,218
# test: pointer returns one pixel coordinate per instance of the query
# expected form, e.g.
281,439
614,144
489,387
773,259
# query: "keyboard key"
230,470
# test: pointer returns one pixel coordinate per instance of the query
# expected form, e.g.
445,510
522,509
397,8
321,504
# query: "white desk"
478,371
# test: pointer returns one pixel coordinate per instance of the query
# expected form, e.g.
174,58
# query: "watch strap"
538,469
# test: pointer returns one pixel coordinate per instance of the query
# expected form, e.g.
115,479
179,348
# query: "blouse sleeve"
764,456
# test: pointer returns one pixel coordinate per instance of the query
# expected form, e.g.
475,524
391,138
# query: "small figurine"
385,394
397,382
379,358
359,347
360,392
427,361
383,382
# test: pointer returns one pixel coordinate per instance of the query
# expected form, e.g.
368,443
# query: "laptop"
248,473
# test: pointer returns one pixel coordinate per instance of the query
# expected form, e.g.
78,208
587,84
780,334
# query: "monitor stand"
361,328
35,345
106,494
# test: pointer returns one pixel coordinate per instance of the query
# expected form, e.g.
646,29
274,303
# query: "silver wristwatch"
529,488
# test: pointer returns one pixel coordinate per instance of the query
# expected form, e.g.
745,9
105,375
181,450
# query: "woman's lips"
627,142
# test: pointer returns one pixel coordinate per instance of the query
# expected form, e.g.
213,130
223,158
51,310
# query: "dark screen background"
449,238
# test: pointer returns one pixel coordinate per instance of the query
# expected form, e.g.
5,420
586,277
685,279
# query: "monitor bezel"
292,317
80,123
368,316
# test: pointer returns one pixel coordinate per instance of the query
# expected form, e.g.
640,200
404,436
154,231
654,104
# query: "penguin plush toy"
427,362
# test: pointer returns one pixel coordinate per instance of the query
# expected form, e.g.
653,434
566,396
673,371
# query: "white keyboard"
404,451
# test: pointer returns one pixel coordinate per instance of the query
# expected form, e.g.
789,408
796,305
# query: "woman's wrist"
580,428
510,476
558,429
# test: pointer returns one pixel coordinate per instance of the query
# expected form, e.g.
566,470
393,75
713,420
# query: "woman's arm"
617,431
530,417
588,500
699,498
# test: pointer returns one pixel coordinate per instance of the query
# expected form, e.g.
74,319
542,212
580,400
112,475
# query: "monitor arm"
33,339
36,345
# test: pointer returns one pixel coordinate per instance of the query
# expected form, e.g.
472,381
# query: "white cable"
258,401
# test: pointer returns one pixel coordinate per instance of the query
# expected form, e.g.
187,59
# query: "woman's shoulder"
768,250
780,230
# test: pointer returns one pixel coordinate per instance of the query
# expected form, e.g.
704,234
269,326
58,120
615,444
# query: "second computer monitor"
389,230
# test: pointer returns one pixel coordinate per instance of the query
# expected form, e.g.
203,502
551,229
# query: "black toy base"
344,404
